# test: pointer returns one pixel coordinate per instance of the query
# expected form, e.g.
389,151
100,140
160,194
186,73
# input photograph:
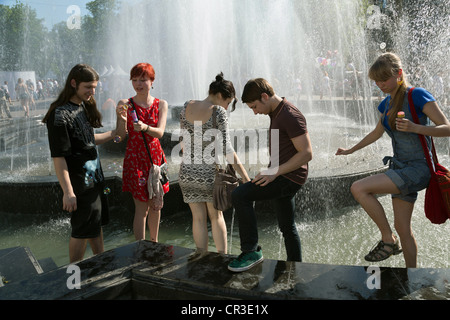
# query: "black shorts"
92,212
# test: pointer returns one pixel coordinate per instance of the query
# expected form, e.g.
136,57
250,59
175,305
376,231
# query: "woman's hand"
404,125
121,111
343,152
140,126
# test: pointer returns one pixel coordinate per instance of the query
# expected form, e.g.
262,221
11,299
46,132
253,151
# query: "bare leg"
77,248
364,192
140,216
27,109
218,227
402,221
153,220
97,244
199,225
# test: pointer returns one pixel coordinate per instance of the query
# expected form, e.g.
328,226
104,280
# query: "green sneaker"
246,260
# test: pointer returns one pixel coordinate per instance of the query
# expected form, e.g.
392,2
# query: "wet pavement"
147,270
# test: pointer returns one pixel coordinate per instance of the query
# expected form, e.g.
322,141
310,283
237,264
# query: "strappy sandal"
379,252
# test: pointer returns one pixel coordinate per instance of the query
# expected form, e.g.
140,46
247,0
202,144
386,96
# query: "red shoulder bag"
437,195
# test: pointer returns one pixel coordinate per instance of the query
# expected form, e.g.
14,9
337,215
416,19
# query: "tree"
96,28
22,37
67,48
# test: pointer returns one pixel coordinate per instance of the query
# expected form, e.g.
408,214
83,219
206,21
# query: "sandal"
379,252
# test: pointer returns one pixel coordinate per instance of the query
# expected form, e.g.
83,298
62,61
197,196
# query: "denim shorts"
410,178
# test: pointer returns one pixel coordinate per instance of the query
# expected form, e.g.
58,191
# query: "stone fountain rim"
51,179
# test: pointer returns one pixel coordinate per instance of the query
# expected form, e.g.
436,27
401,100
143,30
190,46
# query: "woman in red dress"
152,115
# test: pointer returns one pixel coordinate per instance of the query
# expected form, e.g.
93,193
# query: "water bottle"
134,116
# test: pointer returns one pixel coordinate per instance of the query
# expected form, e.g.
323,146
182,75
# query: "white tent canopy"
111,71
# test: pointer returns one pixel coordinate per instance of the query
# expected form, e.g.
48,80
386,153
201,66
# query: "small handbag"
224,183
437,195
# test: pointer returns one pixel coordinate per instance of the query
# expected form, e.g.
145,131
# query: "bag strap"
143,134
412,108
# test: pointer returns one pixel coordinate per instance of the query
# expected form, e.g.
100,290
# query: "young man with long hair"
71,120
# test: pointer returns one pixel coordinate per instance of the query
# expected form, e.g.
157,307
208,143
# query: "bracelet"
117,139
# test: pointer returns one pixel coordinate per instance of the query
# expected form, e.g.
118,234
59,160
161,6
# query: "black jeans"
282,193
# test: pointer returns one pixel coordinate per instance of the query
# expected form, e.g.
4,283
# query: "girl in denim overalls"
408,171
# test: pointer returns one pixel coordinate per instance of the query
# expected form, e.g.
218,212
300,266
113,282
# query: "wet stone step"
16,264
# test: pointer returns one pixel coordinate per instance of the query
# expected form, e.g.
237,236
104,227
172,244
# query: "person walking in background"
4,108
152,116
287,172
8,96
71,120
24,96
197,174
40,90
31,93
325,86
408,169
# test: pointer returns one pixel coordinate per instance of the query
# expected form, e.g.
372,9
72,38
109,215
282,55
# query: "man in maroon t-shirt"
286,174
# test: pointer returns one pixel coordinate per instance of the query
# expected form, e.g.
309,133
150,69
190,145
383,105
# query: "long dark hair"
224,87
79,73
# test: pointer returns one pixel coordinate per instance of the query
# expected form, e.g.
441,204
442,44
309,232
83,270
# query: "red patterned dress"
136,165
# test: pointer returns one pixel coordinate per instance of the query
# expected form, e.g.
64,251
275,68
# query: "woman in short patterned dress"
152,114
197,175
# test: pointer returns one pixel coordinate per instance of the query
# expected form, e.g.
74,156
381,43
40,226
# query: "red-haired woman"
152,115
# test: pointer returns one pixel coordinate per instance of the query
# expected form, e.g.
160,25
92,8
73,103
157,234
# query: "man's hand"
264,177
70,202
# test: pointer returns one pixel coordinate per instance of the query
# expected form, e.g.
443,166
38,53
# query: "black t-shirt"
71,136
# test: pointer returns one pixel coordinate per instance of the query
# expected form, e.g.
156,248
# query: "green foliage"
22,33
27,45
